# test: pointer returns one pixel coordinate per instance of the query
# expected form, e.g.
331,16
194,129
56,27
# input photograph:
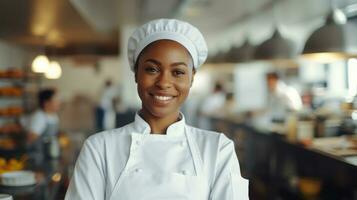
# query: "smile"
163,98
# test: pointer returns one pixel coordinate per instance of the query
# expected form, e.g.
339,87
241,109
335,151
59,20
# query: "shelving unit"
18,91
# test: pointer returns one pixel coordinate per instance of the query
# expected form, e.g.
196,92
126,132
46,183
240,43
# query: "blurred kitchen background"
280,81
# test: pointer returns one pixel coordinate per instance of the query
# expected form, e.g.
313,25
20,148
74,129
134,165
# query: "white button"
183,143
138,170
137,142
184,172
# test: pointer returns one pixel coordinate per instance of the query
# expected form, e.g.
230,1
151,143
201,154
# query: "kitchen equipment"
305,130
5,197
18,178
52,147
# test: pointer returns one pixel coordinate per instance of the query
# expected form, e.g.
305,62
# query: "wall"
85,79
13,55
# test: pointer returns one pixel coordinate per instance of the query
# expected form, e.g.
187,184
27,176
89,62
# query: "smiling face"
164,75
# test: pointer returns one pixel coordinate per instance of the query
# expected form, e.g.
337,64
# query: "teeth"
163,98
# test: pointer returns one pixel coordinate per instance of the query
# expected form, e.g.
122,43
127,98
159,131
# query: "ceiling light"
277,47
40,64
243,53
54,70
335,40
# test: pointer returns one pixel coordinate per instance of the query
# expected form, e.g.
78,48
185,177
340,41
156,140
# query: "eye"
178,72
151,69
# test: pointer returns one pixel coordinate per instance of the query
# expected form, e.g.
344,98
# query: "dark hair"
45,95
108,83
218,87
229,96
272,75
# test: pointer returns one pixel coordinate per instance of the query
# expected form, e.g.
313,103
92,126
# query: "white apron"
141,184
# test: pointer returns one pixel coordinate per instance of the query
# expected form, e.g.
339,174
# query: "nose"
164,81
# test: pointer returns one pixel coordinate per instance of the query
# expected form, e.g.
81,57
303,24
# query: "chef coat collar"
175,129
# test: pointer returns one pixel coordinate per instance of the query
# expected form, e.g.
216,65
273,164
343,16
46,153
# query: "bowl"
5,197
18,178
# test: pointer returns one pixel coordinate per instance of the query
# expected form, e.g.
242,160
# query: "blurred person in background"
282,98
106,116
229,108
211,105
43,124
45,120
159,156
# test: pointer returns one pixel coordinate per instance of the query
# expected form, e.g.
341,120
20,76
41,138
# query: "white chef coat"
129,163
284,98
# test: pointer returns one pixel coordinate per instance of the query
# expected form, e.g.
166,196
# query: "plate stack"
5,197
18,178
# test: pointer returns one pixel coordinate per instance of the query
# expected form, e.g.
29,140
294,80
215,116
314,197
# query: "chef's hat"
171,29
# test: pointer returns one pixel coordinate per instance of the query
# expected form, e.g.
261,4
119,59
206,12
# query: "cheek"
184,88
140,87
143,85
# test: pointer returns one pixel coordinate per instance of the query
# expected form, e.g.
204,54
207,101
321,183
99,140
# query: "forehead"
162,47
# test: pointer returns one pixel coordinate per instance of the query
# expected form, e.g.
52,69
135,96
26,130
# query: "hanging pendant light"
54,70
243,53
335,40
277,47
219,57
40,64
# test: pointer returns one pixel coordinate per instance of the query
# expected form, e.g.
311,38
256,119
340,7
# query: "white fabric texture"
111,159
284,99
171,29
40,120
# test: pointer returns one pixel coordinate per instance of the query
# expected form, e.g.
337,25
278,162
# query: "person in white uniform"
159,156
211,105
282,98
45,119
42,127
107,105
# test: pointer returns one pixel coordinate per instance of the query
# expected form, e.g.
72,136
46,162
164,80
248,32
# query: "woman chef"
159,156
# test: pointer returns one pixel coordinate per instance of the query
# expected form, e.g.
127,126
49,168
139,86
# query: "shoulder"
207,134
38,115
37,122
206,137
109,136
108,148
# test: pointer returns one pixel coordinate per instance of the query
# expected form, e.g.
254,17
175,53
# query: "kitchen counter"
52,177
267,158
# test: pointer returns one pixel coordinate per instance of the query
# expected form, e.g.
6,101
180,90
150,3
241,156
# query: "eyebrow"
172,65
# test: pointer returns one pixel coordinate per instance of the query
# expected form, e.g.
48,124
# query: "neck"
159,124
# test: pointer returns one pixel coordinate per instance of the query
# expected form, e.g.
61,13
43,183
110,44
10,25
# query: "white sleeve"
228,184
88,181
38,124
293,99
